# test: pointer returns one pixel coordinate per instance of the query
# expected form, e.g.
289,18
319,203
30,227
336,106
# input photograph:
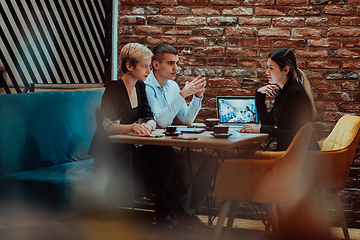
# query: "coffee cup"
221,129
170,129
211,122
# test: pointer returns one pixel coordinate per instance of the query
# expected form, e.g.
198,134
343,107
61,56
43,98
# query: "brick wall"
228,42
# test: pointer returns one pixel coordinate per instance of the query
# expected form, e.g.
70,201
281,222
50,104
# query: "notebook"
236,111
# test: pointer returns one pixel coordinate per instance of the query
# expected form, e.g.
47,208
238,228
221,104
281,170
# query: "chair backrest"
345,132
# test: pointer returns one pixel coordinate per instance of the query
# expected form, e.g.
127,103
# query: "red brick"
286,43
178,30
228,62
340,75
222,21
333,116
162,2
304,11
206,31
273,32
192,41
212,92
224,41
179,10
340,9
161,20
170,40
183,70
351,64
254,21
208,112
255,42
322,21
350,21
241,52
129,39
226,2
147,30
313,74
301,64
125,30
241,31
323,85
238,11
238,73
292,2
311,53
209,51
152,10
337,96
247,62
350,86
223,82
270,11
184,50
343,32
323,63
210,102
350,43
181,80
193,2
288,22
206,11
265,53
192,61
127,10
325,106
322,2
209,72
345,53
350,107
236,92
191,21
356,2
259,2
250,83
324,42
133,2
308,32
129,20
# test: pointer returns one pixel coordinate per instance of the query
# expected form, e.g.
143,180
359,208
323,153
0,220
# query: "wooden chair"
330,166
269,181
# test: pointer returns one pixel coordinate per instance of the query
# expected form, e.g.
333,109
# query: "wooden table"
205,140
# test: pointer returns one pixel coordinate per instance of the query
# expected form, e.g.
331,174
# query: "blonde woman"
125,109
293,106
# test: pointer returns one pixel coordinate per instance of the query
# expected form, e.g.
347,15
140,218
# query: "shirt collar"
155,82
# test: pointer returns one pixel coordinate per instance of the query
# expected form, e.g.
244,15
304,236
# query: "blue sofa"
44,139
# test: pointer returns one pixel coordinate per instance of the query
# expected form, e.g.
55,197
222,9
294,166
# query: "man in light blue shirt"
167,101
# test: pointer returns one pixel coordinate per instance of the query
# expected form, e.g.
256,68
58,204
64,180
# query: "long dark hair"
285,57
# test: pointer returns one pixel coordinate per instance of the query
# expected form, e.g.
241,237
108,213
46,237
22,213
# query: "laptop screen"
236,109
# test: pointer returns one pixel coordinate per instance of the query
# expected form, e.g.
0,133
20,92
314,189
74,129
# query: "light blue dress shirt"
166,103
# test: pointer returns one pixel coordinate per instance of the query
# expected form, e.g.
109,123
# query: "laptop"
236,111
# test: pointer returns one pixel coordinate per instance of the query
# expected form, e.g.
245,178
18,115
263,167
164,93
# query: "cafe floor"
128,225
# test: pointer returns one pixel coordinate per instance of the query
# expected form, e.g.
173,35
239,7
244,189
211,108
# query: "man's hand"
195,86
250,128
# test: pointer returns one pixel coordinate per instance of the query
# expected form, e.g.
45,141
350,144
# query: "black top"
115,105
292,110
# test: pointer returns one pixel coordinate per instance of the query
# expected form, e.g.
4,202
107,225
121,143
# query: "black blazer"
292,109
115,105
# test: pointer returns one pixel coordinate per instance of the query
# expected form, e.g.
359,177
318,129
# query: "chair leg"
323,202
231,217
340,212
274,219
222,215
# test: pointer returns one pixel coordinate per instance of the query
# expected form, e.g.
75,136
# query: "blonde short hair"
133,53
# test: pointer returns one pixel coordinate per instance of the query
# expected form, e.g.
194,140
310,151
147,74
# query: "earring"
129,72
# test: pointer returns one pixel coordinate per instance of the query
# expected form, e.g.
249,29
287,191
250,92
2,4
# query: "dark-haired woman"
293,106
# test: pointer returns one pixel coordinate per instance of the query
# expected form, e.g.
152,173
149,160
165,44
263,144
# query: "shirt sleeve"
187,114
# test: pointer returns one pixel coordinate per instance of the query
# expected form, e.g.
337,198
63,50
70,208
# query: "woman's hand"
269,90
250,128
141,129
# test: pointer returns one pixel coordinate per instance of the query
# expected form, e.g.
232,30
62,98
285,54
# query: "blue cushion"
45,129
